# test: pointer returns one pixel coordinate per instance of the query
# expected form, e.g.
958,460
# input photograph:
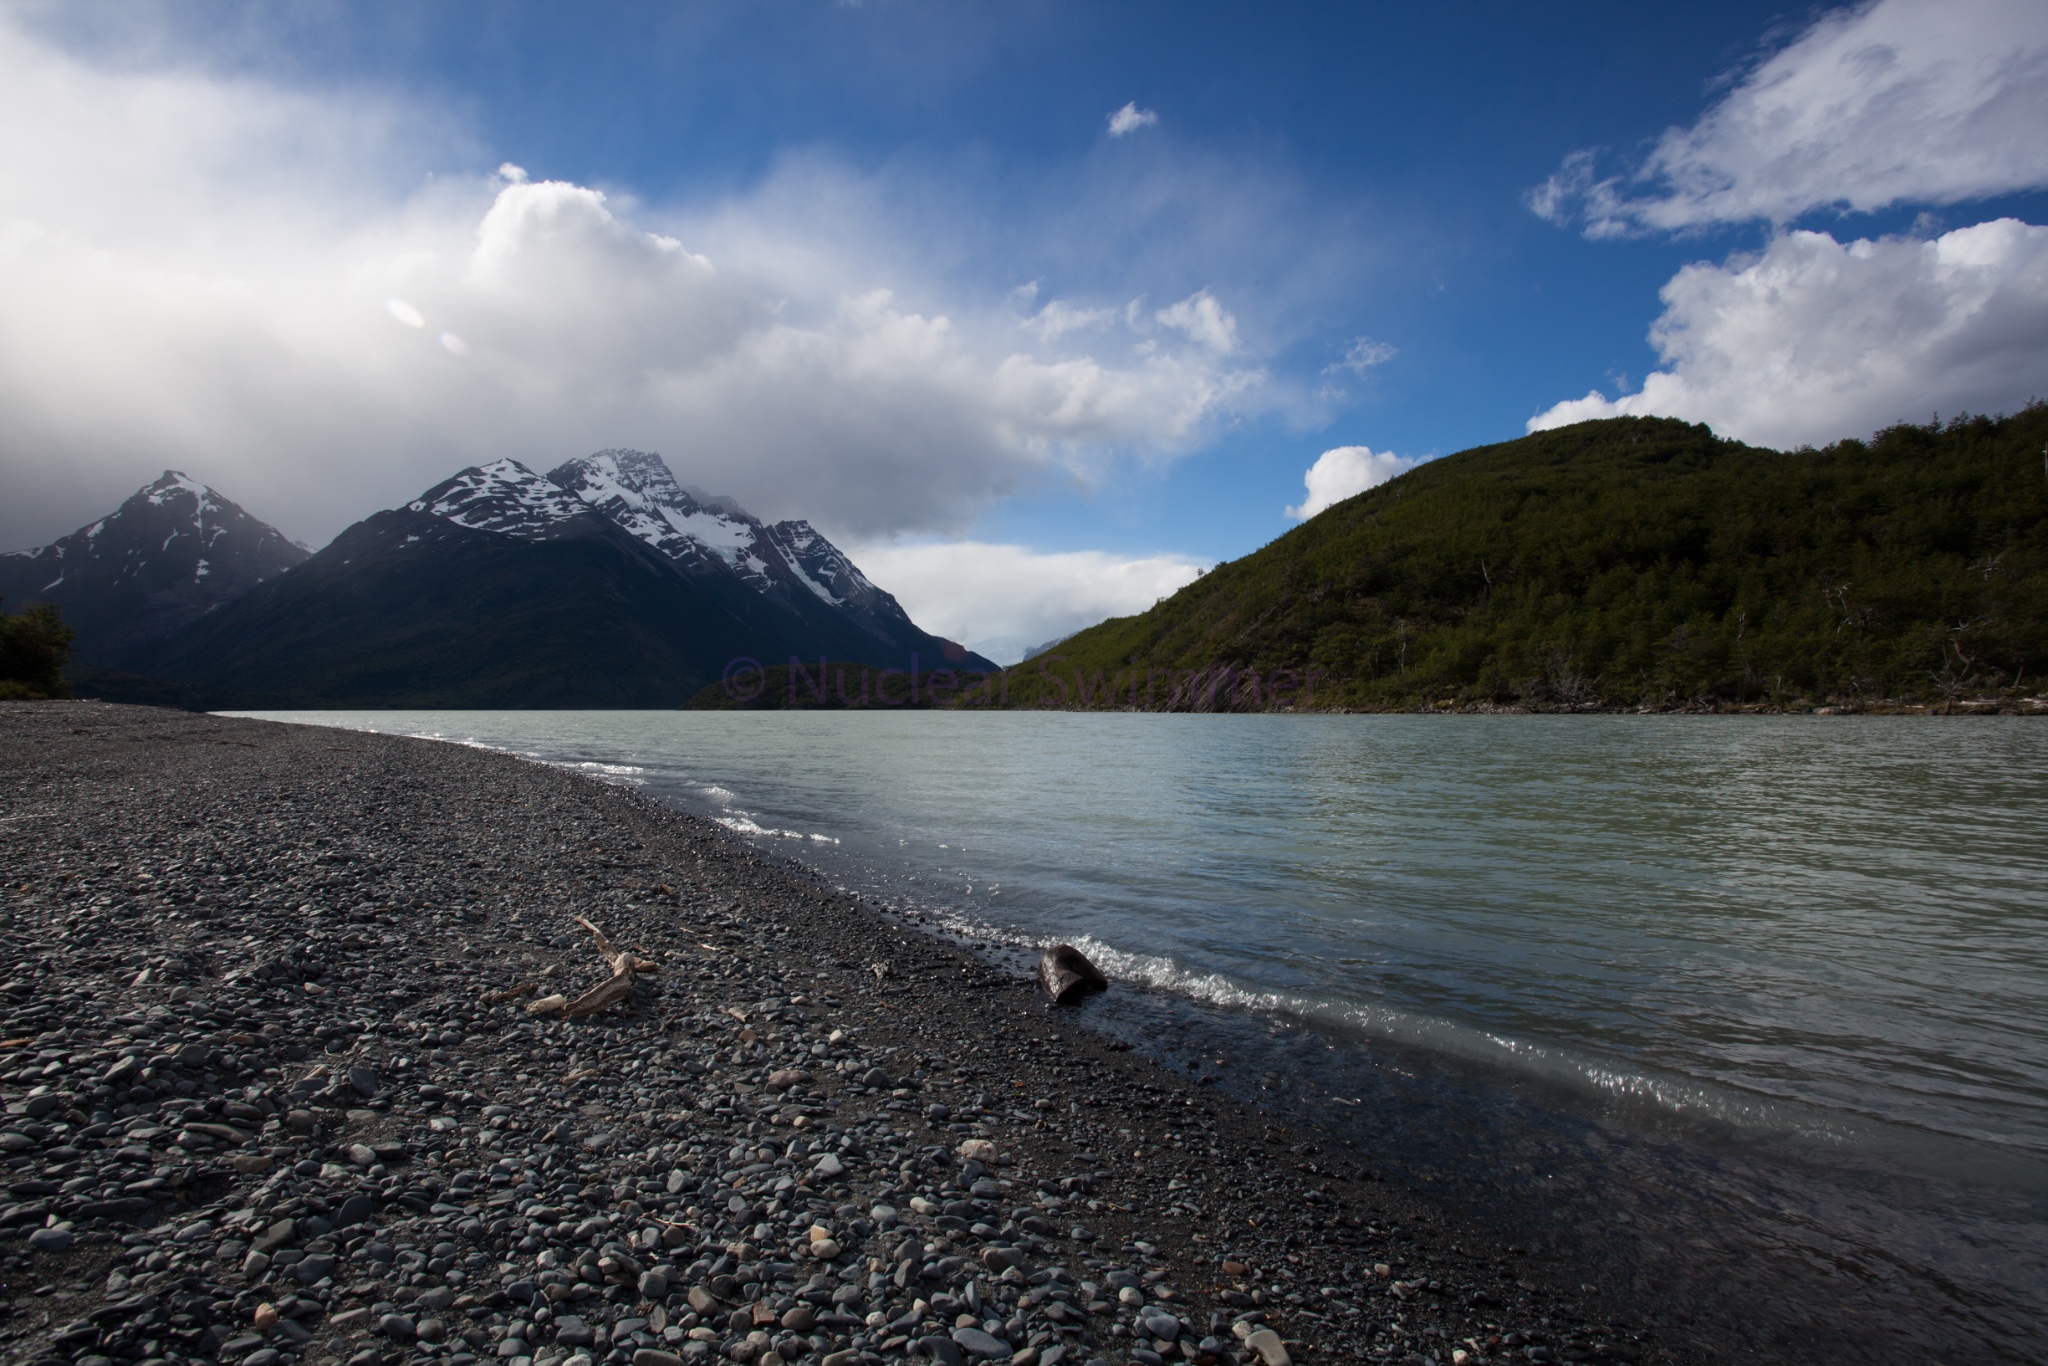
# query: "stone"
364,1080
1267,1344
397,1327
315,1268
1160,1325
828,1168
653,1285
980,1345
648,1356
1067,975
800,1319
51,1239
354,1210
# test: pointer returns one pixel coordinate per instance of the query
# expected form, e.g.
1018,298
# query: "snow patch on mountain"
503,496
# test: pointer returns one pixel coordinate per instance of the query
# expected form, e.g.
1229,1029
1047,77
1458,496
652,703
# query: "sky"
1038,309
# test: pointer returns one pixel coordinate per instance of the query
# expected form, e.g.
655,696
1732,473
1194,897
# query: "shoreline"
374,890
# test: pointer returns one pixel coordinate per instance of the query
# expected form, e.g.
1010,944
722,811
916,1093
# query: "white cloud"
1362,355
1813,340
1058,318
1130,119
1203,320
1896,102
1003,599
204,273
1344,472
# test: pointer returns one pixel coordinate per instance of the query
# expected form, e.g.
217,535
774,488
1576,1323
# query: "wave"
740,823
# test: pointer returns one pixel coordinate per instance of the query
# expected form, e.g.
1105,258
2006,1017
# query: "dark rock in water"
1066,973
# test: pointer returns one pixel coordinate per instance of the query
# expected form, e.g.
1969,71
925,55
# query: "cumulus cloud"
1812,339
274,291
1344,472
1894,102
1130,119
1001,600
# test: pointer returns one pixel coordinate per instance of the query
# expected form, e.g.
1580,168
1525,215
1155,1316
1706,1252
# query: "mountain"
711,536
173,552
1632,562
603,584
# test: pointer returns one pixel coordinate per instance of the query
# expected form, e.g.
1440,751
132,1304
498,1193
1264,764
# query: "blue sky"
892,267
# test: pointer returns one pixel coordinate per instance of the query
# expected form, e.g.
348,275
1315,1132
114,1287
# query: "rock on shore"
270,1097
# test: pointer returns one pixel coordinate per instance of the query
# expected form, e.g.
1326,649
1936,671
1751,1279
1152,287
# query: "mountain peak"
173,551
503,496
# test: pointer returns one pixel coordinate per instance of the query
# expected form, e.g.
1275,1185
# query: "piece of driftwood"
512,993
625,967
1065,973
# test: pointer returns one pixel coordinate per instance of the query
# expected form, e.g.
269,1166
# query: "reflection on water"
1724,1004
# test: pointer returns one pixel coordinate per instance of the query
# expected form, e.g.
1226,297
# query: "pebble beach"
274,1094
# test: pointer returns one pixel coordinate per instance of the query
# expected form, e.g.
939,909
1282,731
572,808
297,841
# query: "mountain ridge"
1622,563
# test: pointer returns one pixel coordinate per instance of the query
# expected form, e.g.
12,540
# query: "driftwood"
512,993
1066,973
625,967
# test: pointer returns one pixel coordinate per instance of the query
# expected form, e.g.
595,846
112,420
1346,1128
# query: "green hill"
1622,563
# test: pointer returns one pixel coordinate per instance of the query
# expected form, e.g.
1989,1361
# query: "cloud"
1362,355
1130,119
1058,318
1344,472
1203,320
288,295
1896,102
1812,340
1003,599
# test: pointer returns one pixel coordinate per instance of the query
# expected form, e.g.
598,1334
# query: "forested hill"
1628,562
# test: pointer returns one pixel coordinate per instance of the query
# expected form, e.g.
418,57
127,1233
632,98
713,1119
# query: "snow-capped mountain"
705,535
604,583
692,527
174,551
503,496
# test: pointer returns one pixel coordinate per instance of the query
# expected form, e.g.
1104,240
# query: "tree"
34,647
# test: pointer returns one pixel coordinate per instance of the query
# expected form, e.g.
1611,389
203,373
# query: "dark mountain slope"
1627,562
172,552
409,609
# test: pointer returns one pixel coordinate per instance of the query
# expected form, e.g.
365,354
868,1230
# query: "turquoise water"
1792,969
